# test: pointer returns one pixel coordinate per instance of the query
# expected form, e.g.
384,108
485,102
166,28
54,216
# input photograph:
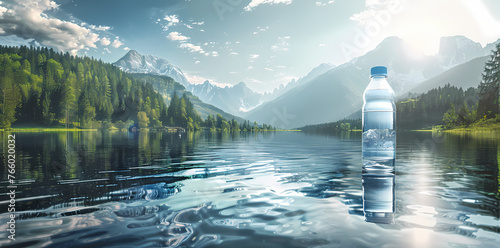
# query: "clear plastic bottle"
379,125
379,148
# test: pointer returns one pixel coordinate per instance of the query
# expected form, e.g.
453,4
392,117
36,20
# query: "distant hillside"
464,75
422,111
236,99
318,101
335,93
166,86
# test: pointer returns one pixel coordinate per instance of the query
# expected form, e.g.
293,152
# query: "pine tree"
11,99
489,96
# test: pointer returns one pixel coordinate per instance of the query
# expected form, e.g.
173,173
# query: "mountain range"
329,93
235,99
239,99
338,92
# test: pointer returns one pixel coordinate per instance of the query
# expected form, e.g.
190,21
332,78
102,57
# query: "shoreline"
49,129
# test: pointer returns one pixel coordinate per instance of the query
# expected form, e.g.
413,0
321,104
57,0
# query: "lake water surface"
271,189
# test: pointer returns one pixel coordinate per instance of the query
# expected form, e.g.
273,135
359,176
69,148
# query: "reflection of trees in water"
65,166
474,155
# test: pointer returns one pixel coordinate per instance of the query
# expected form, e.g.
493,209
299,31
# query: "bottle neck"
379,82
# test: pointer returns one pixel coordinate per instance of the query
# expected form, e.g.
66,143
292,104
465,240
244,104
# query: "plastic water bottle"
379,148
379,129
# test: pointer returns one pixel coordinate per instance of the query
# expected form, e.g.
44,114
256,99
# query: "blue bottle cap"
379,71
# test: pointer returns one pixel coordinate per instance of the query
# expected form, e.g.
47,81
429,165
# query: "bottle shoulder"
379,88
378,83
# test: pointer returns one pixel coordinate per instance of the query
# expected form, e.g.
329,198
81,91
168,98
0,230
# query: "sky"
263,43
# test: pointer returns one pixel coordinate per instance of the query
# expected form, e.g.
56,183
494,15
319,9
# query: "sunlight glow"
487,23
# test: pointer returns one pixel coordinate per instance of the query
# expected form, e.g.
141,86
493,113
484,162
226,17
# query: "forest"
451,107
334,127
40,87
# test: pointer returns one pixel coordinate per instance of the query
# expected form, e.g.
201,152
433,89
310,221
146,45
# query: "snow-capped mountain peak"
134,62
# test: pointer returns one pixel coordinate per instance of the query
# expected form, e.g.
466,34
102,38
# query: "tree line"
461,108
218,122
334,127
428,109
41,87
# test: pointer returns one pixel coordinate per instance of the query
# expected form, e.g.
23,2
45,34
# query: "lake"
266,189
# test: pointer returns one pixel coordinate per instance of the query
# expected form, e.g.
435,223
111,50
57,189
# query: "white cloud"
177,36
321,45
27,20
126,48
100,28
117,43
192,48
188,26
107,50
172,20
255,3
196,62
196,79
260,29
233,53
377,8
198,23
105,41
268,69
254,56
324,3
282,45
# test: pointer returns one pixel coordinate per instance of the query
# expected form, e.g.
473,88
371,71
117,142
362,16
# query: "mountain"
236,99
239,99
334,93
338,92
318,70
166,86
405,68
465,75
454,50
134,62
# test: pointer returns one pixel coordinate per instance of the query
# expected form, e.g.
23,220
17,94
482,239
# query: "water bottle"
379,129
379,148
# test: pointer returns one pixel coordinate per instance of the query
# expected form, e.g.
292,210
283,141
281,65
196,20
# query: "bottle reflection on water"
378,198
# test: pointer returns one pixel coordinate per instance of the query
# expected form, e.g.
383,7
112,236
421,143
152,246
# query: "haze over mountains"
239,99
338,92
329,93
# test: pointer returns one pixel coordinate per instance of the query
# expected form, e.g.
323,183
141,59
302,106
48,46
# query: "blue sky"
263,43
